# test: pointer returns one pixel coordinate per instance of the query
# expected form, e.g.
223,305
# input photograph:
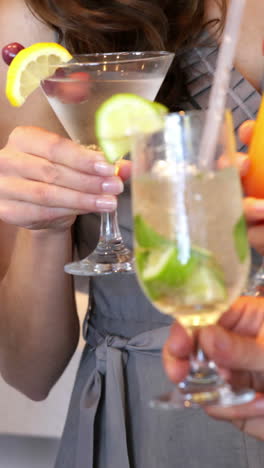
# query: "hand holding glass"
75,91
191,248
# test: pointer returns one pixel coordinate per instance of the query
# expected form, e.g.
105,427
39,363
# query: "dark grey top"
109,424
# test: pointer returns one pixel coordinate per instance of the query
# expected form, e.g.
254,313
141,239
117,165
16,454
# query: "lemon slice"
30,66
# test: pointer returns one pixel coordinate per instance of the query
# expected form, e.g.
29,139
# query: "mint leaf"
145,235
240,239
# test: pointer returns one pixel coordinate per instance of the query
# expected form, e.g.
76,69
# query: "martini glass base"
112,257
222,396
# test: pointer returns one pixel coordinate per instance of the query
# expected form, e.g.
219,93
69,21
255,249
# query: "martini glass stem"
109,228
110,254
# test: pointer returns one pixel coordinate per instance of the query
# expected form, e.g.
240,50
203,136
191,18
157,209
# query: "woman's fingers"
42,168
256,236
31,216
176,353
59,150
239,412
39,169
124,169
51,176
245,316
254,214
253,209
50,195
232,351
240,160
245,131
248,417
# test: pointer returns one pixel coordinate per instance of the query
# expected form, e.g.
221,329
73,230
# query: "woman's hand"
236,345
47,180
253,207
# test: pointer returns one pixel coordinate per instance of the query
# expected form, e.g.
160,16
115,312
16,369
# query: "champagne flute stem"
256,283
202,371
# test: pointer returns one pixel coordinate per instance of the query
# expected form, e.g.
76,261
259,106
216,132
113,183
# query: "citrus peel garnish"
30,66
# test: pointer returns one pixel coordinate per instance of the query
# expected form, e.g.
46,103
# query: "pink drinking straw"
214,114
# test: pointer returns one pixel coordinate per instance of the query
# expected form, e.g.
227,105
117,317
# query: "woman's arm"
39,327
45,182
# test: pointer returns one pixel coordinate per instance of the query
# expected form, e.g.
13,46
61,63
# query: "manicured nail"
259,205
102,168
113,186
106,203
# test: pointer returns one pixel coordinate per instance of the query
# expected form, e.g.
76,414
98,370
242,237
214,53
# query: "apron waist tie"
111,354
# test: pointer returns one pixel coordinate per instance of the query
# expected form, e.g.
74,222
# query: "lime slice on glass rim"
121,116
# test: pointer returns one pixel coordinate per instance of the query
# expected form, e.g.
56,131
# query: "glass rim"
127,57
175,116
133,56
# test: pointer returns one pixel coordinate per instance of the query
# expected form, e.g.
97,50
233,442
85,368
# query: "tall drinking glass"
191,248
75,91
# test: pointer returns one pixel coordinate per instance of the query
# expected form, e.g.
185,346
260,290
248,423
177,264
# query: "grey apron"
109,423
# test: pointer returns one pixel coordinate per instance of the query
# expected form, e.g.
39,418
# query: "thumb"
232,351
123,169
245,131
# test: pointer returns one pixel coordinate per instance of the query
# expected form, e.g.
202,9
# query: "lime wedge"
204,286
160,108
199,280
121,116
164,266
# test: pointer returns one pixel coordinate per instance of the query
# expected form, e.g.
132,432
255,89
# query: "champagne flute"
191,248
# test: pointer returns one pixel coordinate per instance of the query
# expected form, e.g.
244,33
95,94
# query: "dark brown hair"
114,25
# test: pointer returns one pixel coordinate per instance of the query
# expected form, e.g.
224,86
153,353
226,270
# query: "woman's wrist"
49,234
49,243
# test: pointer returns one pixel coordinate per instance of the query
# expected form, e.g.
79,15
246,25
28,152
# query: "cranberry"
50,85
10,51
74,91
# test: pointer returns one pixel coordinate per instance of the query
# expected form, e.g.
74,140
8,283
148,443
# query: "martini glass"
191,248
75,90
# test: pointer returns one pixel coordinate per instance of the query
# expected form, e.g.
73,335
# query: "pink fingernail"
102,168
106,203
259,205
113,186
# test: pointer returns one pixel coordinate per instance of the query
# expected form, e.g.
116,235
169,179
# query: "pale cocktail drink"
191,245
78,115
